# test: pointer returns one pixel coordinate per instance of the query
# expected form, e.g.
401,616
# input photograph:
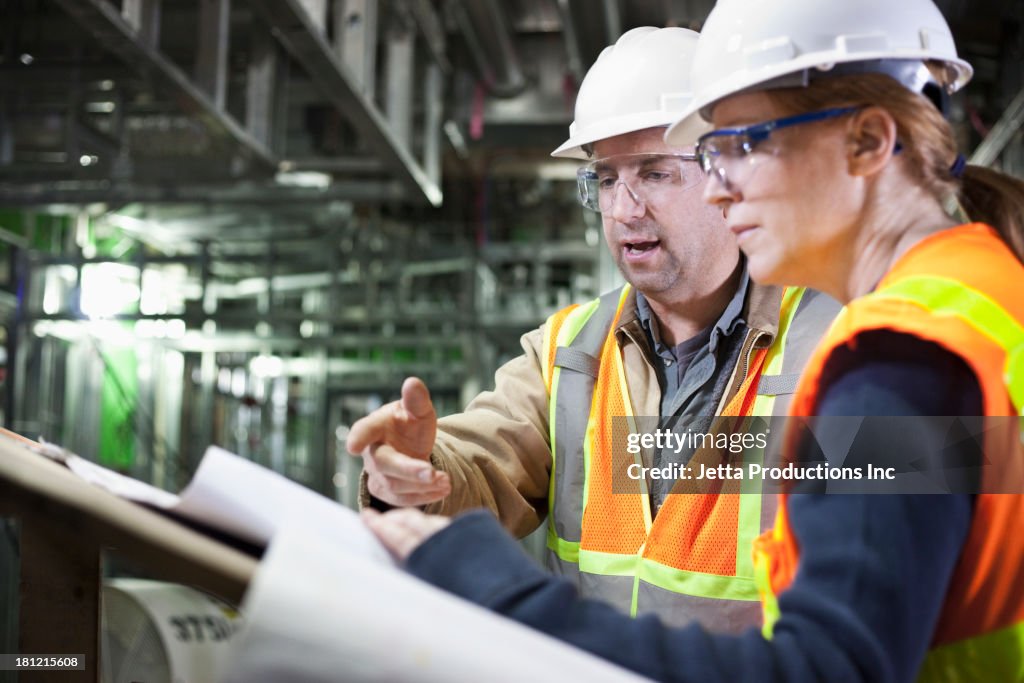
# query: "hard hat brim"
681,131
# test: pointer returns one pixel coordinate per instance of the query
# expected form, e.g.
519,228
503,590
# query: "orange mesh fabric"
697,530
612,523
693,532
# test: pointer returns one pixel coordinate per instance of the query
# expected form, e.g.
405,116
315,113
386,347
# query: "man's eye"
658,176
606,182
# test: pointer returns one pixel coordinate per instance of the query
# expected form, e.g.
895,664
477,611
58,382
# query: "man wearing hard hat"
689,337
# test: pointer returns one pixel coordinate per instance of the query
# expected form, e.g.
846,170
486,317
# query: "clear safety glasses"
646,178
732,155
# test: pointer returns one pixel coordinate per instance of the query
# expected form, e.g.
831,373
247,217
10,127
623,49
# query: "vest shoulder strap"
575,359
574,335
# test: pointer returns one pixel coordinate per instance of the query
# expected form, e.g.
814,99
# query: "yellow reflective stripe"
634,601
696,584
763,405
945,296
748,525
567,551
645,498
769,603
608,564
575,321
588,439
1015,379
791,298
545,351
571,327
552,409
995,656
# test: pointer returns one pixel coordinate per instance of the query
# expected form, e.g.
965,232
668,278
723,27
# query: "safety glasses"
645,178
732,154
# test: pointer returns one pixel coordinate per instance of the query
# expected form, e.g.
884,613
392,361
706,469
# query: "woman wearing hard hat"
834,166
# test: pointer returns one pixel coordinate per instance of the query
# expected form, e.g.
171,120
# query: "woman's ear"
871,139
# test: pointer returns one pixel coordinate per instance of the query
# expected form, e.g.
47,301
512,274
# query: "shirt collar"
730,320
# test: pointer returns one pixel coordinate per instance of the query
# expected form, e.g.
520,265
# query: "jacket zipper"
747,353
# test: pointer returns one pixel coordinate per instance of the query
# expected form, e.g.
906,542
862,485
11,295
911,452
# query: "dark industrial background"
245,222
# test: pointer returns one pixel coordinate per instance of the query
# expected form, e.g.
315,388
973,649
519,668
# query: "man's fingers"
386,488
409,424
395,465
442,487
382,489
415,500
400,480
371,428
416,399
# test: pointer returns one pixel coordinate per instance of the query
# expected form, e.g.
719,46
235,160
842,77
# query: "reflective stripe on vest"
567,419
944,296
960,290
637,561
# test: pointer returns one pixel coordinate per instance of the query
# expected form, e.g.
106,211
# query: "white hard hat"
642,81
753,44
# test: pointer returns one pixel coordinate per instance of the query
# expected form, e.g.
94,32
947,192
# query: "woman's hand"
402,531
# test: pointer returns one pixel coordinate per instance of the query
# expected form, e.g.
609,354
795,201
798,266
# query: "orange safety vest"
691,562
961,289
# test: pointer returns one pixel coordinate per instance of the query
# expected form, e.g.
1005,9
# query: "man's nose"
626,205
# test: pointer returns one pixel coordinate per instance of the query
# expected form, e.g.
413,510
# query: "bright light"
108,289
238,382
304,179
110,332
266,366
163,290
59,281
175,328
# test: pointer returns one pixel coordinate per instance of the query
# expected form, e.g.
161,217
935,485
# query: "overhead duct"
587,31
489,40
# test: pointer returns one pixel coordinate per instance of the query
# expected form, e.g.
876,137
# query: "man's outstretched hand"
395,442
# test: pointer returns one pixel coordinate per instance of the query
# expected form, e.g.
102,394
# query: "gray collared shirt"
693,374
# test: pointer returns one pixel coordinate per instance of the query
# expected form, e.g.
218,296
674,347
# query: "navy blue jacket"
873,568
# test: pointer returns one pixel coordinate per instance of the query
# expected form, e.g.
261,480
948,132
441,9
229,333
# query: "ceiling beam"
292,26
41,194
101,19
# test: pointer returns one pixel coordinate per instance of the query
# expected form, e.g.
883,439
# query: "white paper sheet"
238,496
315,613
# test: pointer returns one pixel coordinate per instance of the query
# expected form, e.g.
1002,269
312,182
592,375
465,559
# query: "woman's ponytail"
997,199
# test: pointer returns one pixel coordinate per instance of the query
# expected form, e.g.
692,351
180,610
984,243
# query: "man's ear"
871,139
